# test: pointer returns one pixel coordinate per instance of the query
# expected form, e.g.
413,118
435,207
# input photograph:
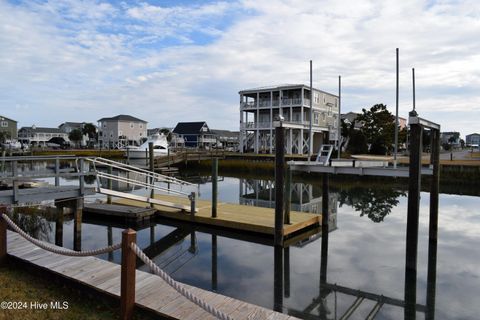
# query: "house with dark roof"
39,136
226,139
195,134
121,131
9,127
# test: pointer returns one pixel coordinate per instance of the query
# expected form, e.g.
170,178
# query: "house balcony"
267,103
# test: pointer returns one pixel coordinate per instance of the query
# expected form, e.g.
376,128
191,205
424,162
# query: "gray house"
195,134
121,131
9,127
473,140
260,106
39,136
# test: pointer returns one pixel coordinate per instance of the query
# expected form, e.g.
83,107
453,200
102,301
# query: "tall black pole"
279,182
310,133
396,119
325,227
412,220
339,126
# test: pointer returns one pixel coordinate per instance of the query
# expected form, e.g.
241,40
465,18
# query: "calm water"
366,251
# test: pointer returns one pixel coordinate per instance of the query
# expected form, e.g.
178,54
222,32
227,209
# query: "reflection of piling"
214,263
77,225
110,242
286,271
278,279
59,226
433,226
325,214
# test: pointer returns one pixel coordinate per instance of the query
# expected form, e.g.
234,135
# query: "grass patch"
111,154
18,285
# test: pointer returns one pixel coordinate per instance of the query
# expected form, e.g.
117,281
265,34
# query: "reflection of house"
120,131
227,139
8,126
260,106
473,140
195,134
38,136
304,197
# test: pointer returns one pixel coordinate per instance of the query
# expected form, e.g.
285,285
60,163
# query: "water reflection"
321,279
375,203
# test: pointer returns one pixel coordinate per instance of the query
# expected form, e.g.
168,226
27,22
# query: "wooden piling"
59,226
433,226
412,220
279,183
288,193
57,172
77,224
127,282
81,177
214,186
152,169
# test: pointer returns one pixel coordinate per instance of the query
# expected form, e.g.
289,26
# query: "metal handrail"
126,167
138,183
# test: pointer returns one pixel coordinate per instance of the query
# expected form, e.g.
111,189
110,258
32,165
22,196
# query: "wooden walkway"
232,216
151,292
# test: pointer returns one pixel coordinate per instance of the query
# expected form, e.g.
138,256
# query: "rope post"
127,285
279,180
3,241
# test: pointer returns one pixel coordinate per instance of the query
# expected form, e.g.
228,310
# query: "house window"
111,134
141,126
329,110
324,99
4,124
315,118
104,125
324,116
131,124
140,133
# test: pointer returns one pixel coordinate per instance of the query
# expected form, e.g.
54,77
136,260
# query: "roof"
73,124
41,129
225,133
5,118
189,127
473,134
122,117
282,86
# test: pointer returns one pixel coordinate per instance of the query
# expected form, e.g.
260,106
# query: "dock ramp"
132,176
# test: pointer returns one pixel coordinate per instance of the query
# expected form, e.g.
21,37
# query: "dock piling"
192,205
152,169
110,185
127,281
279,181
214,186
288,192
57,172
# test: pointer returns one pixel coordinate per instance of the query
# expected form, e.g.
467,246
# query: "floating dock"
151,292
119,211
232,216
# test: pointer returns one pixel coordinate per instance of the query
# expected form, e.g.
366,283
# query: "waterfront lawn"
17,285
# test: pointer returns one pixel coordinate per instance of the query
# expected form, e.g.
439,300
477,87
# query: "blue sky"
170,61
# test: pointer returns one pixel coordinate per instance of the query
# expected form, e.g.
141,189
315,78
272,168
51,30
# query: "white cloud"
169,64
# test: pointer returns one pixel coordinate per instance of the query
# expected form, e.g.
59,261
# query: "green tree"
75,136
4,136
378,128
90,130
357,143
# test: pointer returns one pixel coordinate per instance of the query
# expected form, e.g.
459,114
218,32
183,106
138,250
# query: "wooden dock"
232,216
119,211
151,292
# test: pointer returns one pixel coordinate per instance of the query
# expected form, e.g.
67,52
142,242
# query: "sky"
171,61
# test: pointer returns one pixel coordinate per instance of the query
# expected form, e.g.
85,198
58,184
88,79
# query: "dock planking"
151,291
233,216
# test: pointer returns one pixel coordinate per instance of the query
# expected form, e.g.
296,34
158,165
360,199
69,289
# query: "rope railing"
180,288
57,250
